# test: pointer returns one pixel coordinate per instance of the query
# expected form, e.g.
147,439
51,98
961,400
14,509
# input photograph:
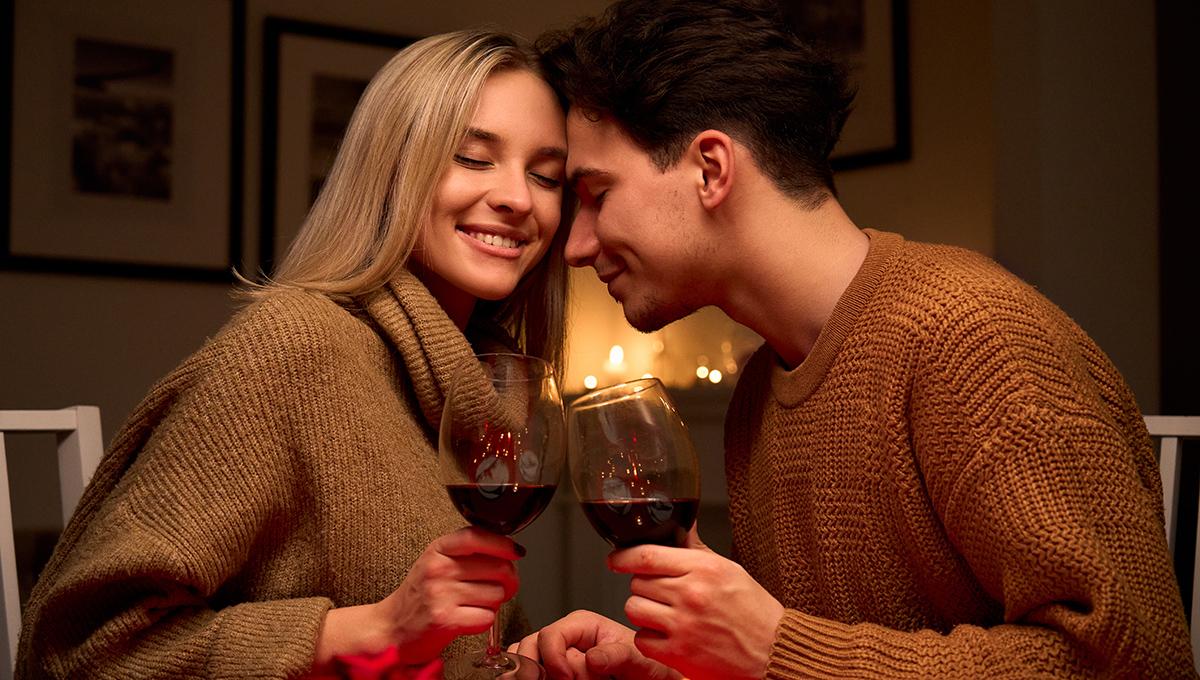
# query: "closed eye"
548,182
467,161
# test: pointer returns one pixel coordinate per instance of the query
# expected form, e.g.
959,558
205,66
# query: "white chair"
80,446
1169,431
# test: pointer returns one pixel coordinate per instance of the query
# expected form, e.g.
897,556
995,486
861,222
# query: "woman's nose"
511,193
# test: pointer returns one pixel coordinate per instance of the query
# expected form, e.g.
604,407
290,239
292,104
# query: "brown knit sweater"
286,467
955,483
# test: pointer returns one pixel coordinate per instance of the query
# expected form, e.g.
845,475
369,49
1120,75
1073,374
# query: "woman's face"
497,207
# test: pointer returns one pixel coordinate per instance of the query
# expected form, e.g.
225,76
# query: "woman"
274,502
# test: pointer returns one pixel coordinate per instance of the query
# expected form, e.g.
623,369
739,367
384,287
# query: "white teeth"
493,239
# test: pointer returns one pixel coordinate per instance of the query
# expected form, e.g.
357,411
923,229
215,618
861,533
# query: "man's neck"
791,268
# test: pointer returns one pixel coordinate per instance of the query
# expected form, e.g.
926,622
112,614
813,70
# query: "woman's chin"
492,292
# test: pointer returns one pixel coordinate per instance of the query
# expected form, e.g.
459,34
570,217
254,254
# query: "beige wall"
945,193
1077,168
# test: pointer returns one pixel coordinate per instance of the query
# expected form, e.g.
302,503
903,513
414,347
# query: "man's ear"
713,153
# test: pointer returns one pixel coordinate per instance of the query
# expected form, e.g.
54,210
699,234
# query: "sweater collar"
427,341
792,387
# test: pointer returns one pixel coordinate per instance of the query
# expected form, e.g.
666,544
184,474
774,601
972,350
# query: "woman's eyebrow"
482,135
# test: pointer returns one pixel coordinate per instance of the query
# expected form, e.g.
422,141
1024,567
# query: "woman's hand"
454,588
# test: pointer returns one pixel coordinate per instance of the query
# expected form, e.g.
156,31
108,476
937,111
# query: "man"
932,470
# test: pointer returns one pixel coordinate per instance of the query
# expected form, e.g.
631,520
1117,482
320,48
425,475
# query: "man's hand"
698,612
587,646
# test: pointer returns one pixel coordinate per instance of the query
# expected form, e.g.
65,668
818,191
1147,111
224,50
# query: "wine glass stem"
493,643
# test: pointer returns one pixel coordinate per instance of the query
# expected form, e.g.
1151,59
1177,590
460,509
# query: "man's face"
637,226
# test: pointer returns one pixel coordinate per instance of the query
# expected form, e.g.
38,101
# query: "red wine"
501,508
628,522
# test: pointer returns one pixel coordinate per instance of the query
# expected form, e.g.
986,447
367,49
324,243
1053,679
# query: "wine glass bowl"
500,454
633,465
501,440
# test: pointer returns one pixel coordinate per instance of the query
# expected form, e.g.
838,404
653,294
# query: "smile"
493,239
607,277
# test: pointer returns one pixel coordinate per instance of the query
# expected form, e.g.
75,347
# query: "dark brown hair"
665,70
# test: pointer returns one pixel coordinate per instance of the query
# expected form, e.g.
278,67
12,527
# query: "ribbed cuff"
807,646
268,639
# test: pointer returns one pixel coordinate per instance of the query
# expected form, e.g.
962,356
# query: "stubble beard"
653,314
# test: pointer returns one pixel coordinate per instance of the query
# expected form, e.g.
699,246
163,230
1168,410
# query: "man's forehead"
588,129
596,144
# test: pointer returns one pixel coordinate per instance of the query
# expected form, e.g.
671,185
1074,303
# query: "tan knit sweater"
287,467
955,483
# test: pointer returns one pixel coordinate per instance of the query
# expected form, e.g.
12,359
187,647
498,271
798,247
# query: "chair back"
80,446
1169,433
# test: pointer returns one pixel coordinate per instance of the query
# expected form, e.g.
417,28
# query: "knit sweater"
955,483
287,467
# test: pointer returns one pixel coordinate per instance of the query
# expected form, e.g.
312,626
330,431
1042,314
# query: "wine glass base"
506,665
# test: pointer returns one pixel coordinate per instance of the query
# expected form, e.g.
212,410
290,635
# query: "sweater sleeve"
147,586
1033,456
1069,543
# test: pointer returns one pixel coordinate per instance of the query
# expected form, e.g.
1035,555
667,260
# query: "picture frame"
312,76
123,137
872,37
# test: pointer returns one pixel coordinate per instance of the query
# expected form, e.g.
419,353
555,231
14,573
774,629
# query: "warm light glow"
647,375
657,346
590,382
714,376
616,355
702,372
726,346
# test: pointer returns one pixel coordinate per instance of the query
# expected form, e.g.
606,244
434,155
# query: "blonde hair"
369,214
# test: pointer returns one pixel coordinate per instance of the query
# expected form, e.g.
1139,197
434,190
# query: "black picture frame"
65,258
278,34
872,37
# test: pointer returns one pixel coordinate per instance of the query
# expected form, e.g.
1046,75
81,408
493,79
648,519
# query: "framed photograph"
313,75
872,36
125,138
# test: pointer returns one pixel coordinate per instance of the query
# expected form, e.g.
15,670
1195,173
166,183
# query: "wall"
1076,168
945,194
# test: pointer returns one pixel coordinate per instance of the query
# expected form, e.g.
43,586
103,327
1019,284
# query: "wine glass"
633,465
500,451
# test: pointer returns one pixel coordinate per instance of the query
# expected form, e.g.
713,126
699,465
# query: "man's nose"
582,244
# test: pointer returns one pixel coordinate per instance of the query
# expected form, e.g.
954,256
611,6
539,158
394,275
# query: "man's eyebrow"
584,172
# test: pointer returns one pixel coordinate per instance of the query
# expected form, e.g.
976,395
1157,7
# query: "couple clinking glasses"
932,470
